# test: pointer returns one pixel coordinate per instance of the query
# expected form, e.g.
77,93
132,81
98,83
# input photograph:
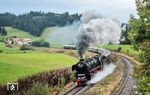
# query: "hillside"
124,48
19,33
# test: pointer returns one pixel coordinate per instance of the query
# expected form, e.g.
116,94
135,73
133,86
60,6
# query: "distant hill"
36,22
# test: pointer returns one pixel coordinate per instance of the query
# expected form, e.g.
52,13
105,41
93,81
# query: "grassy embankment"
128,49
19,33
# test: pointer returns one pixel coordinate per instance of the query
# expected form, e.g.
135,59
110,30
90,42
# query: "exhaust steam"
96,29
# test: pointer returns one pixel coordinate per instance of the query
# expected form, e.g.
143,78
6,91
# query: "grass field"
23,34
19,33
7,49
124,48
14,66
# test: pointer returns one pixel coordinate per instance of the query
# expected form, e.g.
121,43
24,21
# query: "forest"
36,22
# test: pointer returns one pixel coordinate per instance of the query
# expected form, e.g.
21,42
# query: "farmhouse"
18,41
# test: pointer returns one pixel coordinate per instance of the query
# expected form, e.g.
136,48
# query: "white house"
18,41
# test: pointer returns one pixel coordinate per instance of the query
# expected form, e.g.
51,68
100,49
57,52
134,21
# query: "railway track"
127,86
74,91
77,90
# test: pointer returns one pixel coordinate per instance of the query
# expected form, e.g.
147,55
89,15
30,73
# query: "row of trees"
40,43
139,35
35,22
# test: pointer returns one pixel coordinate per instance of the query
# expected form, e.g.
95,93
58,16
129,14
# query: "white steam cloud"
64,35
89,15
97,29
102,30
93,29
108,69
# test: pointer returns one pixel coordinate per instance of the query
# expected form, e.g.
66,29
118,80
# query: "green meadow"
14,66
124,48
19,33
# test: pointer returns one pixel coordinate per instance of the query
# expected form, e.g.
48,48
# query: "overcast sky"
120,9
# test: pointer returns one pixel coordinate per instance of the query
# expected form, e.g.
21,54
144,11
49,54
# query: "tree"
124,34
139,35
140,27
3,32
25,47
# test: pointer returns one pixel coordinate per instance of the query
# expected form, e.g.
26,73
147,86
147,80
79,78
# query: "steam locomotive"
86,68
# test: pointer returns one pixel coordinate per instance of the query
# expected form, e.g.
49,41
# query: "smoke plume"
64,35
96,29
89,15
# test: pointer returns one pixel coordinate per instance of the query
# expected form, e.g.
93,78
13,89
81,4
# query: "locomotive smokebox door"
81,59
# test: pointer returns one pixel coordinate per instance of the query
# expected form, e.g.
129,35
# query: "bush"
45,44
40,44
25,47
128,51
144,85
1,51
2,39
119,49
8,45
38,89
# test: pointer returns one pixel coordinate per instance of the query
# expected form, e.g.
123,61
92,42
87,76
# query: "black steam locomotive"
86,68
